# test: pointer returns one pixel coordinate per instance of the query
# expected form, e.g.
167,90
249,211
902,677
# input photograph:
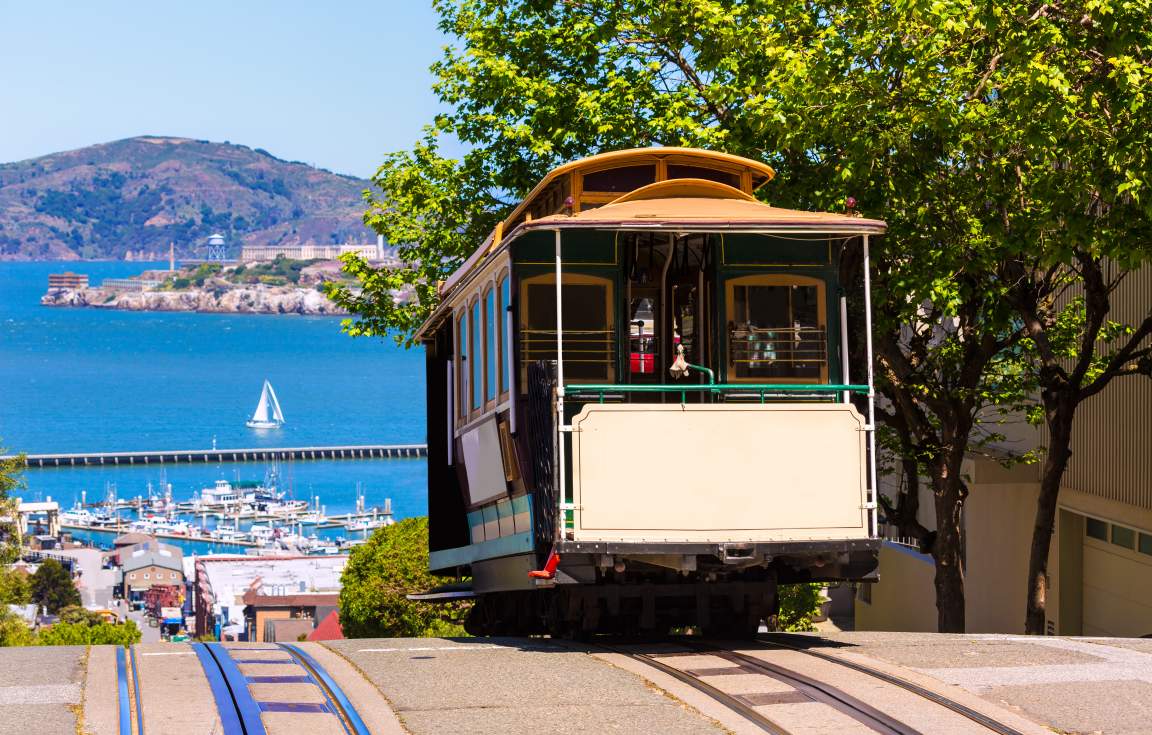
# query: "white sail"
261,413
277,414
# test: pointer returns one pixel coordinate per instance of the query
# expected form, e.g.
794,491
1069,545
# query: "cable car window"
679,171
477,357
506,343
622,179
589,334
777,329
462,366
492,340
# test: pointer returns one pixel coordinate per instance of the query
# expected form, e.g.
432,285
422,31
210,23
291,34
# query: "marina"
240,514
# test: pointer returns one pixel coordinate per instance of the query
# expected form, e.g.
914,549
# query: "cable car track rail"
240,712
939,699
805,686
727,700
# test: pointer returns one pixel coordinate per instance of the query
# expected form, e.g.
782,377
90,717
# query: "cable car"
641,415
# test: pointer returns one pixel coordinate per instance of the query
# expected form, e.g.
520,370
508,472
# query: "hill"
139,194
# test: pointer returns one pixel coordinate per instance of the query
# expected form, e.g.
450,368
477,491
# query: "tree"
14,631
52,587
394,563
11,479
1080,352
963,127
15,588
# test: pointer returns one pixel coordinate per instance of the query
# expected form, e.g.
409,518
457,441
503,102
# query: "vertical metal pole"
844,347
874,499
560,443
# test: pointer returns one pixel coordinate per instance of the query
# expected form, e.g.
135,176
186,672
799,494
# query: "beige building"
311,251
148,565
1101,555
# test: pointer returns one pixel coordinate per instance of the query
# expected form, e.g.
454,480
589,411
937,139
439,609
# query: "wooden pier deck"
256,454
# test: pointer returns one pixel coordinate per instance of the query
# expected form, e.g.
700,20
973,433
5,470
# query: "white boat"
268,414
77,517
222,496
228,533
261,534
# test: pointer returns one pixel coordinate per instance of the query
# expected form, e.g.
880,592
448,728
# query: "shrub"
392,564
15,587
799,603
14,631
82,634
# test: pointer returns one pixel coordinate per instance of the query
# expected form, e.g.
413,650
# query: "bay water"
90,380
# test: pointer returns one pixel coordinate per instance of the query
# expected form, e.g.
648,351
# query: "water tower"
217,250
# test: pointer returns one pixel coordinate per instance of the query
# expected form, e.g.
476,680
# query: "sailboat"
268,414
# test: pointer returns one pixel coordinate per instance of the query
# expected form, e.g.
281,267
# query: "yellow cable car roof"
703,205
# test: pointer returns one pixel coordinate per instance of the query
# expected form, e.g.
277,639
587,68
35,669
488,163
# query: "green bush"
14,631
380,572
15,587
799,603
82,634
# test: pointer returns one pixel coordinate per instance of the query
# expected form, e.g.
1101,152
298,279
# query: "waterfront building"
68,279
38,518
130,284
147,565
257,253
312,251
222,583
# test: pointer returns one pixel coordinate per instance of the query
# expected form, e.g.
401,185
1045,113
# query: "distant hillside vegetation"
142,193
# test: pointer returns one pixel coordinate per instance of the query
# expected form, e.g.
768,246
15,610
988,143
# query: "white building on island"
311,251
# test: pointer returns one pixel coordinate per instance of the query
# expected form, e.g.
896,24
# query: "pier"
187,456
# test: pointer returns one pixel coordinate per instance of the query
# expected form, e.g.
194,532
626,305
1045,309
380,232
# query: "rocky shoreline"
249,299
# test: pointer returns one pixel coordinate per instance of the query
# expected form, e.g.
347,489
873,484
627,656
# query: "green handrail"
683,390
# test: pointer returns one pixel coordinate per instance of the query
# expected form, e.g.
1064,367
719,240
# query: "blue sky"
336,84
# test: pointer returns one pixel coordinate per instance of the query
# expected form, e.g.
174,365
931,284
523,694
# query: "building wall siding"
1112,439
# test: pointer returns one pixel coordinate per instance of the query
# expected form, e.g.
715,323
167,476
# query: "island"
280,286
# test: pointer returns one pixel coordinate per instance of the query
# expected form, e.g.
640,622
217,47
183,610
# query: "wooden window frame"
491,342
571,279
774,279
463,368
742,173
474,310
505,348
580,195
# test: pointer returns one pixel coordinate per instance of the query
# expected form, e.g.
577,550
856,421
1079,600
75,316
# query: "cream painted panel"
482,462
1117,592
718,472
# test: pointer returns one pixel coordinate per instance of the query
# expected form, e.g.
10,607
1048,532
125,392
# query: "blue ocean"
87,380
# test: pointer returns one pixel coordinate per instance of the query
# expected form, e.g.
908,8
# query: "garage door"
1117,580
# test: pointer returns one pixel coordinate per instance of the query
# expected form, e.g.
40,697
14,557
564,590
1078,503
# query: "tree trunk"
1061,409
948,555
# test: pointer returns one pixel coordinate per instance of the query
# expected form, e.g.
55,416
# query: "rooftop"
226,579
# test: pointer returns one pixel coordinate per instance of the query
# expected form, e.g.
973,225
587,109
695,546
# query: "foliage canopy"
1006,145
52,587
